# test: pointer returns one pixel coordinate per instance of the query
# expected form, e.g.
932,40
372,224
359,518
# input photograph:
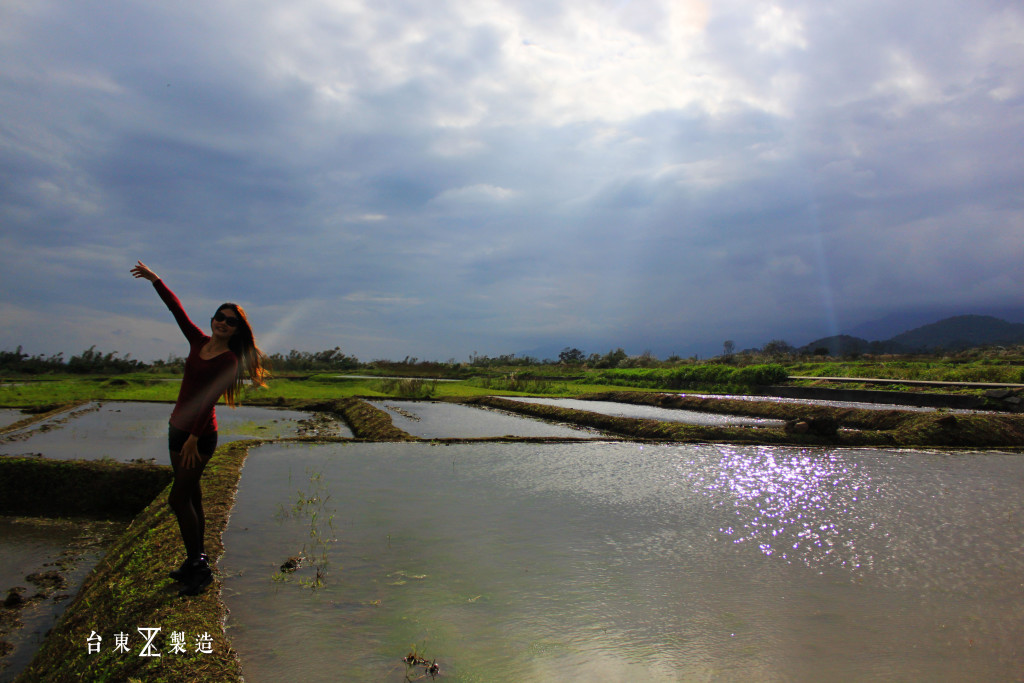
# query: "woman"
217,365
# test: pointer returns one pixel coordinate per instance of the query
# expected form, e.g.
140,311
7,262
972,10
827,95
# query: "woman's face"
222,326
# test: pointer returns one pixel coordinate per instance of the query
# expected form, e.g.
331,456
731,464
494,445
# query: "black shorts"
176,440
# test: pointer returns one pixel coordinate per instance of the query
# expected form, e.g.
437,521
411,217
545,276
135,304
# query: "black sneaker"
201,576
183,573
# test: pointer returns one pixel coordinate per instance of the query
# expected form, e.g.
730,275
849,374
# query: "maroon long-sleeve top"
204,381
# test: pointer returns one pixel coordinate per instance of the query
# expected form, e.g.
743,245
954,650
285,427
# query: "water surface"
31,545
439,420
9,416
615,561
692,417
127,431
832,404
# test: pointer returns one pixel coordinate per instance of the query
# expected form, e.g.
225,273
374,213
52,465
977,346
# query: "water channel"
618,561
438,420
135,430
9,416
654,412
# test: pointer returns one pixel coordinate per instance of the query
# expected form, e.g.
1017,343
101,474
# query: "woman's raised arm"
189,328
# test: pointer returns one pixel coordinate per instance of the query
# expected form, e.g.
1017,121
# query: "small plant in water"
311,504
414,660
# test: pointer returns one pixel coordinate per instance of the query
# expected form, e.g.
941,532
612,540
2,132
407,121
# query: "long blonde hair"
253,364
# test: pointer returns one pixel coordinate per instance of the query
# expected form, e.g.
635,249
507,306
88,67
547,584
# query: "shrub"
408,387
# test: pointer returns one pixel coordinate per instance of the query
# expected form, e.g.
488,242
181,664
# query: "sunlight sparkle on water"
796,505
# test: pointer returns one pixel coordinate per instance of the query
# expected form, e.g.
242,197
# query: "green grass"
63,390
930,369
705,376
550,380
21,392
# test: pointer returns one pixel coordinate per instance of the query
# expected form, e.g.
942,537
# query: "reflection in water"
9,416
438,420
646,412
798,505
126,431
621,561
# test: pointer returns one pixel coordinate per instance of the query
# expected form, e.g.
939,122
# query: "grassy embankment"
130,589
808,425
964,368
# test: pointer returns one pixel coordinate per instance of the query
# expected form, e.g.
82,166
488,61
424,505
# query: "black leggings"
176,439
186,498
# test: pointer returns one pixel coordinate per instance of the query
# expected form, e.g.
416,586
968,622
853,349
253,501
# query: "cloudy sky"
398,177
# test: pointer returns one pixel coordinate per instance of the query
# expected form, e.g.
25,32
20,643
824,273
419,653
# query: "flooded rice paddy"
618,561
9,416
436,420
123,432
831,404
132,431
35,551
597,561
692,417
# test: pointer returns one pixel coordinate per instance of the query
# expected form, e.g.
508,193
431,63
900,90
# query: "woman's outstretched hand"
143,271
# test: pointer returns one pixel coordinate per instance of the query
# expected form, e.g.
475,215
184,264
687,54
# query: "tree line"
93,362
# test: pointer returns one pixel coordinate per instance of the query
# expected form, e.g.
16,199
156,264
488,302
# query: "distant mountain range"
951,334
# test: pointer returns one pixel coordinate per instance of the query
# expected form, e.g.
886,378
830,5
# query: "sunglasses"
221,318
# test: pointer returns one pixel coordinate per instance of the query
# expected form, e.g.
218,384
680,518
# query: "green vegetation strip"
90,488
693,376
129,589
853,428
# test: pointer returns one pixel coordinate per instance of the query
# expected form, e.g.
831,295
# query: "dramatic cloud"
470,175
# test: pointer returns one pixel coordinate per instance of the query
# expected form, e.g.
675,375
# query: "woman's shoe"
182,573
201,577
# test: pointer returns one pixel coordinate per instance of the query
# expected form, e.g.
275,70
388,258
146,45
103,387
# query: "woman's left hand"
190,452
141,270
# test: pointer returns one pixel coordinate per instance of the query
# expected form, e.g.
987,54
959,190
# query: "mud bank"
129,589
825,426
39,414
365,421
894,398
80,505
91,488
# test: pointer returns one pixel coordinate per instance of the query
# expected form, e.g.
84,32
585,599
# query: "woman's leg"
186,501
197,505
186,498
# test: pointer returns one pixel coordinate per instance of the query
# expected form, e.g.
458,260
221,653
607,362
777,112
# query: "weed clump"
408,387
